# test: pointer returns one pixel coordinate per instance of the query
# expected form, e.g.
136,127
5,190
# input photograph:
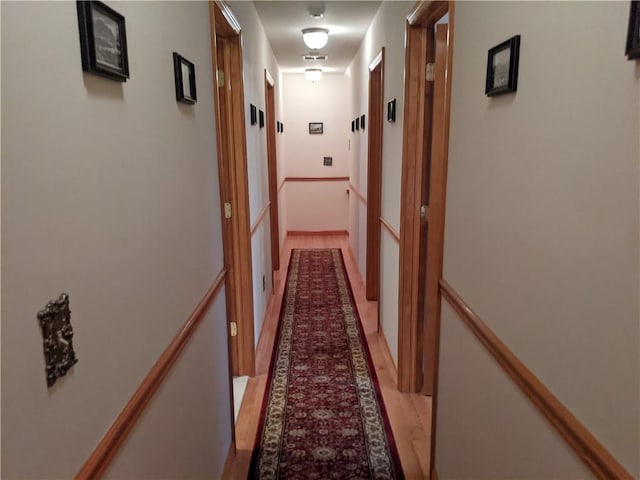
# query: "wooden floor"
410,414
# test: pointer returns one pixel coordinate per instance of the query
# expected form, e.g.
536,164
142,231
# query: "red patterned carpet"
323,416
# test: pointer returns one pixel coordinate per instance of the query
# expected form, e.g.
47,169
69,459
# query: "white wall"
109,193
387,30
316,206
257,55
542,230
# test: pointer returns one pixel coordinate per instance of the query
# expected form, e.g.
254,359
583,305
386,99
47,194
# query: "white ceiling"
347,22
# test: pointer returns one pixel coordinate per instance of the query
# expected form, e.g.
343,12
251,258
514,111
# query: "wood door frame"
272,168
416,279
226,40
374,176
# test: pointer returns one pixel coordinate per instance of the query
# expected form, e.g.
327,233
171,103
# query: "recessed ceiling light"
315,56
317,15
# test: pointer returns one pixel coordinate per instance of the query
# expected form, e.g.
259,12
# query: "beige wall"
386,30
257,55
316,205
542,232
109,193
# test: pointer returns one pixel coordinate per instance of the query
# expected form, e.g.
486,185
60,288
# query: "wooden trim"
390,229
226,23
425,14
360,196
272,168
298,233
228,463
594,455
316,179
281,186
374,175
256,224
105,451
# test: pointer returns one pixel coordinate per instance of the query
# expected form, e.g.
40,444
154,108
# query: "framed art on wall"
184,73
261,119
103,40
362,121
391,111
253,114
502,67
633,33
316,128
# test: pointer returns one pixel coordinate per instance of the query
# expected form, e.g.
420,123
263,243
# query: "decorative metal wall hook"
57,335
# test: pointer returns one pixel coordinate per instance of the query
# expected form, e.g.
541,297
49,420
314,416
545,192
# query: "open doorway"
270,102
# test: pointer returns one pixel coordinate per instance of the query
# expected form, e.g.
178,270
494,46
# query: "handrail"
595,456
353,188
316,179
105,451
394,233
255,226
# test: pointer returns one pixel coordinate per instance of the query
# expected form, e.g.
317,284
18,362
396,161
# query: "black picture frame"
281,127
261,115
502,67
184,73
327,161
358,123
353,125
391,111
103,40
316,128
362,121
633,33
253,114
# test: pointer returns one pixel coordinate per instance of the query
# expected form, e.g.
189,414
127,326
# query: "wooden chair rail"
101,458
256,224
360,196
595,456
394,233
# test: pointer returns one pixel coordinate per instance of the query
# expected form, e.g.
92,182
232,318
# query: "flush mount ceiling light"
315,38
313,74
315,56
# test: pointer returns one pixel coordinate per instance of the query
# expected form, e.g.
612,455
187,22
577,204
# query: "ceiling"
347,22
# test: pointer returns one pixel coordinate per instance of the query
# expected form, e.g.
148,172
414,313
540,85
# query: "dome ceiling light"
315,38
313,74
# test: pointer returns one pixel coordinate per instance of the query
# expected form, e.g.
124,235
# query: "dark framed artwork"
353,125
185,77
281,127
633,33
316,128
253,114
327,161
358,123
278,126
103,40
391,111
502,67
362,121
261,119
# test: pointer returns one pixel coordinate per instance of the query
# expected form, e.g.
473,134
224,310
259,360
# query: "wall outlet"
264,283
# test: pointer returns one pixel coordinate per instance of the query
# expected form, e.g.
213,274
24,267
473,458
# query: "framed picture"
362,121
315,128
358,123
253,114
261,119
103,41
633,33
281,127
502,67
391,111
185,76
353,125
327,161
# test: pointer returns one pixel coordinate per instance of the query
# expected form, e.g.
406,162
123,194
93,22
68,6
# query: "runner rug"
323,415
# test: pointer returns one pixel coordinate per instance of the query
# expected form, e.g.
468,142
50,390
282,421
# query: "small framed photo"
358,123
327,161
362,121
253,114
391,111
281,127
261,119
502,67
633,33
185,76
316,128
103,40
353,125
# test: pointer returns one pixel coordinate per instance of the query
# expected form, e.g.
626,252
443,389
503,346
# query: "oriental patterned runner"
323,415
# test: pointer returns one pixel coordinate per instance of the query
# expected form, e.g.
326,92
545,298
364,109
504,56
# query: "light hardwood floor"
409,414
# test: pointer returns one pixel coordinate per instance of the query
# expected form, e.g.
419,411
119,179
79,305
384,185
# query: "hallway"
409,413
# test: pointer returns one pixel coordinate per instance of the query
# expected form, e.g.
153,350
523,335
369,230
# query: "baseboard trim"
299,233
114,439
594,455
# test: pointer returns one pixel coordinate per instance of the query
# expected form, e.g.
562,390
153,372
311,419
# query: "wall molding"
360,196
256,224
316,179
298,233
394,233
114,439
594,455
